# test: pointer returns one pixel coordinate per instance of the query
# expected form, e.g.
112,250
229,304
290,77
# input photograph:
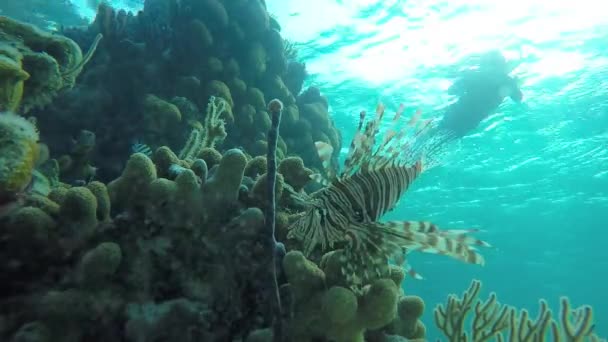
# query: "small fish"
138,147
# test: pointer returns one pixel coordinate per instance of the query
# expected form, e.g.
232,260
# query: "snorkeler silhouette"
480,91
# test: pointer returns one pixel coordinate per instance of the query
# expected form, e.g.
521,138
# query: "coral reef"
328,310
110,259
143,255
159,221
222,53
324,308
76,165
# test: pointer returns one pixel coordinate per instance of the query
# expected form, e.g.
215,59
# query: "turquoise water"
534,176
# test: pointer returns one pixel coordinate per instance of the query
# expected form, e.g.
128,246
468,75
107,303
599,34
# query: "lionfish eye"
357,214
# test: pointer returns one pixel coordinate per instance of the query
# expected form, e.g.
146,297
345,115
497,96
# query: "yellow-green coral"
188,198
159,115
276,88
223,187
259,191
256,98
100,191
164,158
52,61
407,323
327,310
291,115
12,77
18,152
130,189
78,211
244,117
100,262
256,167
42,202
263,122
160,202
200,34
256,58
31,223
295,173
211,133
220,89
214,65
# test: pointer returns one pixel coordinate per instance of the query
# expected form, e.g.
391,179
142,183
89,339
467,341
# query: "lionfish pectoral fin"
427,237
401,260
412,272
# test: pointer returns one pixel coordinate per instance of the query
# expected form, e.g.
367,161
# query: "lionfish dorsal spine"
325,153
363,144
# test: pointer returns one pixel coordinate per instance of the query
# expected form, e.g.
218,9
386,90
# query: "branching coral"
494,321
211,132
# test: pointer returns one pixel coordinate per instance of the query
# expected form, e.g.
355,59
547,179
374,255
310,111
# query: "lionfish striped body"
346,213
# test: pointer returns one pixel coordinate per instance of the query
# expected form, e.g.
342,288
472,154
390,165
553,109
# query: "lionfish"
345,213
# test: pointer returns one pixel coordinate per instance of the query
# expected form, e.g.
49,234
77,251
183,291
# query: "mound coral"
328,310
13,76
18,152
220,54
38,64
160,115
